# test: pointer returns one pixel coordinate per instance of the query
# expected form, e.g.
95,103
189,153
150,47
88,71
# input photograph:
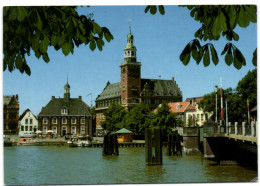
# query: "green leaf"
194,51
39,21
46,58
66,48
44,44
235,36
206,59
27,69
222,21
251,12
153,9
240,57
96,28
13,13
214,55
186,59
243,20
254,60
18,61
147,8
185,51
216,28
229,57
21,13
161,9
225,49
92,45
37,54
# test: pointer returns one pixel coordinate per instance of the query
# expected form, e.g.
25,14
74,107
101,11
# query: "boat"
29,142
80,141
7,141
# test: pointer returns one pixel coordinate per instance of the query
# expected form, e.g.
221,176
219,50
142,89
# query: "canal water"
63,165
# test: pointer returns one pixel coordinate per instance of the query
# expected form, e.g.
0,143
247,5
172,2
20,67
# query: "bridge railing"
236,128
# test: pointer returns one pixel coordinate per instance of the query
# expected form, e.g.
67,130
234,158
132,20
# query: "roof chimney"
80,97
53,97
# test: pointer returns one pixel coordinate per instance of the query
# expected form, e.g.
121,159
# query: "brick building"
11,114
133,89
66,115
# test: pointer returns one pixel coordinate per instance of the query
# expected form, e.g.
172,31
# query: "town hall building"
65,115
133,89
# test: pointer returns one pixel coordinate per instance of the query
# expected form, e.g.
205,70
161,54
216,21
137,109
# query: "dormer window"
178,106
64,110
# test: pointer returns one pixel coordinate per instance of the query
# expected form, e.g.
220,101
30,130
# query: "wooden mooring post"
110,145
174,144
153,147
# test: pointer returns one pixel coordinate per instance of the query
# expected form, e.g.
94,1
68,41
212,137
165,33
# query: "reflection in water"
64,165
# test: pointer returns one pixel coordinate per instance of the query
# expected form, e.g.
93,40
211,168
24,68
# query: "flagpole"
248,111
221,92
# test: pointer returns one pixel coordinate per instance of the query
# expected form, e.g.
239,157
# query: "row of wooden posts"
153,146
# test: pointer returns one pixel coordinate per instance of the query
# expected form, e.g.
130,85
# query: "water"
63,165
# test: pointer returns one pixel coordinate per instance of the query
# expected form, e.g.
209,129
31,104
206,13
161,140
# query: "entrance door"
64,131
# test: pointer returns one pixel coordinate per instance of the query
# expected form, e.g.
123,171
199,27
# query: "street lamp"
216,91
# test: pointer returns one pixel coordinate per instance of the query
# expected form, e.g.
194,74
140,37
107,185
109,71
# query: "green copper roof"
124,131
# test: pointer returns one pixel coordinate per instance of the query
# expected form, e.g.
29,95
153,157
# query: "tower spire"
129,26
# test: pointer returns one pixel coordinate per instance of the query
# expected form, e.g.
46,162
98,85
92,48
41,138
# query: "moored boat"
80,141
29,142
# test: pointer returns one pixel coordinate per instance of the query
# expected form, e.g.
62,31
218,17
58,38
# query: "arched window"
64,110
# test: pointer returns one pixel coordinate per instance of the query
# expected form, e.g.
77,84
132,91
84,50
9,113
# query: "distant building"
194,114
11,114
66,115
28,124
133,89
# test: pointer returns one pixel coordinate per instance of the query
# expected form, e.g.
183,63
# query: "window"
134,100
202,117
31,121
22,128
73,130
73,120
26,121
54,129
64,120
157,102
82,120
198,116
44,130
26,128
30,128
54,120
147,101
45,120
64,110
82,131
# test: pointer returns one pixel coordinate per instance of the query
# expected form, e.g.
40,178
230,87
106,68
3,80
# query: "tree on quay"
114,118
136,117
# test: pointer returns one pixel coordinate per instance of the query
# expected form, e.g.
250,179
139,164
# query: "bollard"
236,131
253,129
229,127
243,128
153,142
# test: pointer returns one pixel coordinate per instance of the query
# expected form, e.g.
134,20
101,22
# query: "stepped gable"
162,87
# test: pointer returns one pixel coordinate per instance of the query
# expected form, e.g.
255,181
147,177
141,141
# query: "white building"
28,124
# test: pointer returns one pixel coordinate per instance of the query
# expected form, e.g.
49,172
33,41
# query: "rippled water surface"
64,165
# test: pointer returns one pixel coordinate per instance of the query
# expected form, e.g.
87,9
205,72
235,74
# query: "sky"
159,40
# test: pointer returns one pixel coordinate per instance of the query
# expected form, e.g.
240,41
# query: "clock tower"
130,75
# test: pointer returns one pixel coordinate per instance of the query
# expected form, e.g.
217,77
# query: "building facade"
133,89
193,114
28,124
66,115
11,114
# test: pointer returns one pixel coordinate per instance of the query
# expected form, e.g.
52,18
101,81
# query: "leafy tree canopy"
27,29
136,117
216,21
236,99
114,118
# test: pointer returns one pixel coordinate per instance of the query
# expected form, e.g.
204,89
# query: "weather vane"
129,24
